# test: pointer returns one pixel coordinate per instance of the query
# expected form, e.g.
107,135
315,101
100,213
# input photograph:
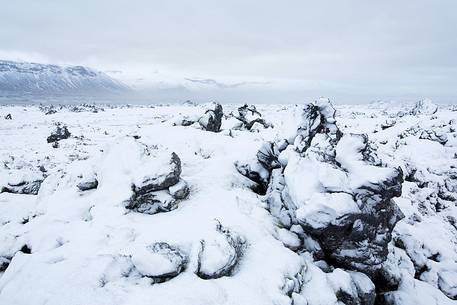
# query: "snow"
87,248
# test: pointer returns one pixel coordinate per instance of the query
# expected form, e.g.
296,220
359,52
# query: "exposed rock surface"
425,107
23,187
212,119
332,186
159,191
160,261
61,132
4,263
219,257
249,116
87,185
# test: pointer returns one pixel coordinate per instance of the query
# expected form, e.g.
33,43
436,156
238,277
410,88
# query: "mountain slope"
22,78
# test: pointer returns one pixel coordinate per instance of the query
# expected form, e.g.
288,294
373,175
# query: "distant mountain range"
23,78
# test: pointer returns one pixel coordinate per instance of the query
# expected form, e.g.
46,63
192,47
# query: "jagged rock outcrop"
250,117
425,107
219,257
61,132
212,119
160,261
159,191
8,117
23,187
332,186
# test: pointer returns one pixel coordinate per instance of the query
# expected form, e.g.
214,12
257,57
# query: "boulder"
152,202
87,185
164,179
161,189
160,261
23,187
250,117
61,132
426,107
212,119
219,257
333,186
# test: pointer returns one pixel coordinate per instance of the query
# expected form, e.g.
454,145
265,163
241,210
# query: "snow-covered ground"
109,216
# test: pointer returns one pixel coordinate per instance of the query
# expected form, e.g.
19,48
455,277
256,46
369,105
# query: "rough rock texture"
160,261
160,191
4,263
162,181
87,185
425,107
23,187
219,257
212,119
60,133
249,117
332,186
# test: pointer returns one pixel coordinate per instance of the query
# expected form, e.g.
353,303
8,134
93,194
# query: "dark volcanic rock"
318,118
23,187
425,106
359,240
220,257
160,192
249,116
87,185
358,292
60,133
4,263
180,190
268,156
157,183
324,183
152,202
160,262
212,119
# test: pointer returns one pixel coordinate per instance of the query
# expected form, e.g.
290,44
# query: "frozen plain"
224,242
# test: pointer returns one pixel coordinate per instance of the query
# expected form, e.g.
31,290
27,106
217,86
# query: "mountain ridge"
28,78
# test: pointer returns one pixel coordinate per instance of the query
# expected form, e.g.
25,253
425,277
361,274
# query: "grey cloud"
350,50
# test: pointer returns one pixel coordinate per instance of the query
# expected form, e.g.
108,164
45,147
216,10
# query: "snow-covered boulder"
220,256
426,107
158,187
331,185
250,118
23,187
165,174
21,181
60,133
87,185
160,261
212,119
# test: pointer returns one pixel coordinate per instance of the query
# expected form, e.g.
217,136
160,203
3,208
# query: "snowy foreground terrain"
205,204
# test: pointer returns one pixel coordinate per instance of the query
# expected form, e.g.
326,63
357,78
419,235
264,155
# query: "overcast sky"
351,51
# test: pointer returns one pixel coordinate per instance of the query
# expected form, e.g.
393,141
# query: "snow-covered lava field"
228,204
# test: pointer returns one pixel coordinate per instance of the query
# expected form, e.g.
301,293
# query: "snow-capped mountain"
23,78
